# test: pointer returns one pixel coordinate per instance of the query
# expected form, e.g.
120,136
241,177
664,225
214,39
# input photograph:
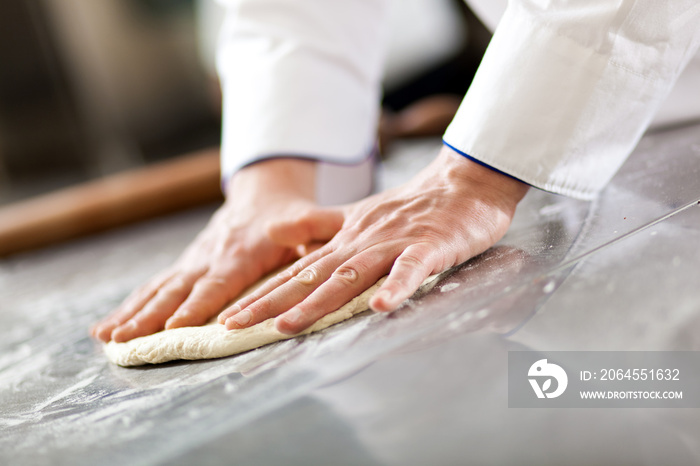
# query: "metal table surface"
424,385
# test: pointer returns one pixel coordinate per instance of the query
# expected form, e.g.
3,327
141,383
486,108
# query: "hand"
231,253
453,210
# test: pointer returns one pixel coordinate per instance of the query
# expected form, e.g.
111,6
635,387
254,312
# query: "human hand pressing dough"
230,254
451,211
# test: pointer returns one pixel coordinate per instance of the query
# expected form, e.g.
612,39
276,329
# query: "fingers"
315,286
151,318
410,269
317,225
273,283
286,295
209,295
346,282
131,305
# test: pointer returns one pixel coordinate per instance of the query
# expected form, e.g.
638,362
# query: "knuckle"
176,285
287,274
234,248
347,273
294,269
410,261
217,282
261,308
308,276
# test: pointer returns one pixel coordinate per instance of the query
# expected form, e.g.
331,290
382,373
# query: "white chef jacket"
565,90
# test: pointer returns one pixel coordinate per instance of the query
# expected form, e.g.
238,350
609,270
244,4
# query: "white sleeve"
301,78
567,87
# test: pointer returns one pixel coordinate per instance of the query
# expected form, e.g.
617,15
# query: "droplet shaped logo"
542,373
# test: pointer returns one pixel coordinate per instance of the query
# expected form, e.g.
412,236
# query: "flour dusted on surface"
214,341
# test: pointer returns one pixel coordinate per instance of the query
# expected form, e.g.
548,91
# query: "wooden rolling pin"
163,188
110,202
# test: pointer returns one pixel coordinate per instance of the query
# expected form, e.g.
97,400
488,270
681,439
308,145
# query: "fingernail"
129,325
99,333
125,327
307,276
118,333
293,316
242,318
235,309
227,313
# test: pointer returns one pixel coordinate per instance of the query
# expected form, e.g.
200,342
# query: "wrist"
489,180
282,178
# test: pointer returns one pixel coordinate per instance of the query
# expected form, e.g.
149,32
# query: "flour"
214,341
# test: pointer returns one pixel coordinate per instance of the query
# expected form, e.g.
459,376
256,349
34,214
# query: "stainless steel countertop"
424,385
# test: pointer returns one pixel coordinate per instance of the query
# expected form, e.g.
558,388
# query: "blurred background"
89,88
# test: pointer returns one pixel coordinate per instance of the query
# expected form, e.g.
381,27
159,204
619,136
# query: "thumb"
314,226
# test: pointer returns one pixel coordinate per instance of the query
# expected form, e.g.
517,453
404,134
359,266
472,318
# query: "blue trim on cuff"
469,157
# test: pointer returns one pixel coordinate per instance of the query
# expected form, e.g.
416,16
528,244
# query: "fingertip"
383,301
284,327
182,318
117,336
124,332
239,320
174,322
289,323
226,313
101,332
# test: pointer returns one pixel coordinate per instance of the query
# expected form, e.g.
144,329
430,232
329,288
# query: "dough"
214,341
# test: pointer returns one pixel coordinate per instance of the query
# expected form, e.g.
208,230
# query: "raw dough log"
214,341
